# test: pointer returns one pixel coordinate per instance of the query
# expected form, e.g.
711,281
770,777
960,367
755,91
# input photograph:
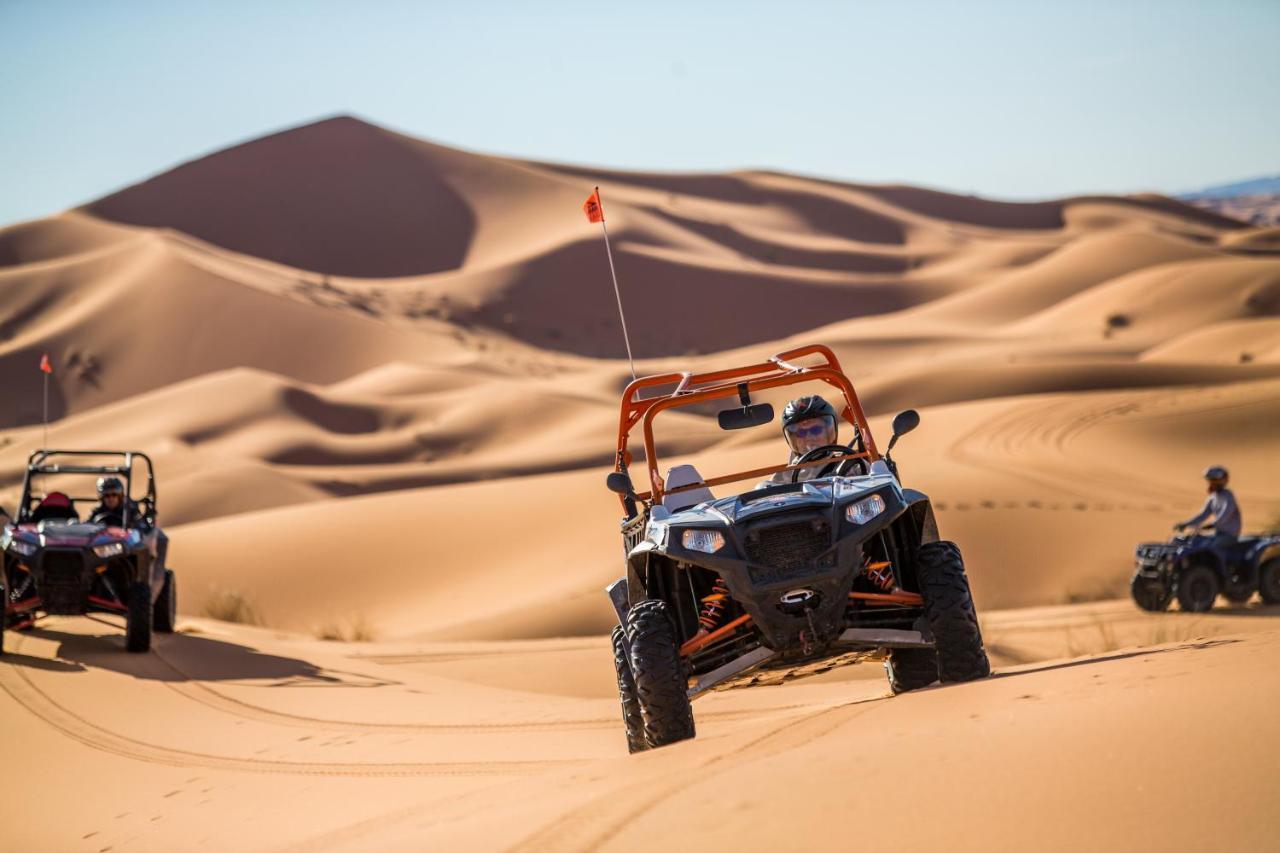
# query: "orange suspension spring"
714,605
881,574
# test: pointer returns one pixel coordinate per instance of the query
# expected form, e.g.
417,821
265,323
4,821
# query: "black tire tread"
166,608
137,632
659,674
1269,581
1142,596
1184,584
911,669
632,719
949,607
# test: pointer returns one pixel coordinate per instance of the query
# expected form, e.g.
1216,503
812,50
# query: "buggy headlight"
25,549
864,510
706,541
111,549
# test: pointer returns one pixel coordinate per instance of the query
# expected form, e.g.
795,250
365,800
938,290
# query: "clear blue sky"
1009,99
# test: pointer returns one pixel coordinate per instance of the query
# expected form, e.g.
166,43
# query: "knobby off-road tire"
1148,599
137,631
659,674
631,716
1197,589
911,669
165,613
1269,581
948,605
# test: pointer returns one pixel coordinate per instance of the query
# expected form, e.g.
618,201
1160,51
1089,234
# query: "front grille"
62,587
794,545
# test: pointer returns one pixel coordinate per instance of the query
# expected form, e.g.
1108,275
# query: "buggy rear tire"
948,605
1197,589
631,716
1269,581
1153,601
654,655
137,632
911,669
165,612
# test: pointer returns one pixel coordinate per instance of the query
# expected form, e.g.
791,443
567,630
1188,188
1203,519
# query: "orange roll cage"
693,388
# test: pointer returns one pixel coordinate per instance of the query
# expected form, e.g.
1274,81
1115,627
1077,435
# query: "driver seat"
685,475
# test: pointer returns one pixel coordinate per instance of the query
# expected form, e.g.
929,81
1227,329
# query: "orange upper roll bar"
694,388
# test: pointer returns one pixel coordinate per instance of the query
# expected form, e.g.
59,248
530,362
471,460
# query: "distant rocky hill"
1256,200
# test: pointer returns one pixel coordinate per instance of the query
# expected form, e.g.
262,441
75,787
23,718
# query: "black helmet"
804,408
1215,472
110,484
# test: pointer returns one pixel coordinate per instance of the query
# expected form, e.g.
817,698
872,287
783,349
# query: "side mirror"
903,423
748,416
619,482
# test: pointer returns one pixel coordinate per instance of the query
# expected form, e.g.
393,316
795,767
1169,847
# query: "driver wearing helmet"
1220,506
111,504
807,424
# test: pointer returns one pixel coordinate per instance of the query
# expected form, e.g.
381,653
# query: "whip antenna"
595,213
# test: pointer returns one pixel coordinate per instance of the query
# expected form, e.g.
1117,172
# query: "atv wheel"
659,674
1154,600
911,669
137,632
1269,581
165,613
631,716
1197,589
948,604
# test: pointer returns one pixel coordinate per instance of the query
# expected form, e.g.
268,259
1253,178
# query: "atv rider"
1221,506
111,504
807,424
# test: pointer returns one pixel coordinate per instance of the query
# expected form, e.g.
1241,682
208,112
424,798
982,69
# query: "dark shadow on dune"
183,657
338,196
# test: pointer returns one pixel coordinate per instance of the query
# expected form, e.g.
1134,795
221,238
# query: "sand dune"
380,380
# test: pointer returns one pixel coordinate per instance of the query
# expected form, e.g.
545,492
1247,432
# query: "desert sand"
380,380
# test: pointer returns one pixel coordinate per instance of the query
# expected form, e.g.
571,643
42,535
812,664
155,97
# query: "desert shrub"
229,605
354,630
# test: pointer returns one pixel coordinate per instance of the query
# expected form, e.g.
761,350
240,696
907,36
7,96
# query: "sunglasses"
106,495
808,432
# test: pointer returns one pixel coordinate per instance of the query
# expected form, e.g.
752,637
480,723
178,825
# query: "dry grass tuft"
355,630
228,605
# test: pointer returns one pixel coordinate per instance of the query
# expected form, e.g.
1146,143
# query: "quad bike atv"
54,564
779,581
1190,569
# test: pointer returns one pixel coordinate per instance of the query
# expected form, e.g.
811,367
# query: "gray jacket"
1223,509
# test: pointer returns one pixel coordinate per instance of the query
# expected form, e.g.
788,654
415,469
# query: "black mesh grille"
789,546
62,589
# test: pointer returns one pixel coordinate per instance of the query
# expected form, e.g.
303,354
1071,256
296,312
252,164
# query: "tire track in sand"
26,693
600,819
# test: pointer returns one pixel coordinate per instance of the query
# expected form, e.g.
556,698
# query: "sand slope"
380,380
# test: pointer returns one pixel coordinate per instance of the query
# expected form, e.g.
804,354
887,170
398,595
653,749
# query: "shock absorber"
880,574
714,605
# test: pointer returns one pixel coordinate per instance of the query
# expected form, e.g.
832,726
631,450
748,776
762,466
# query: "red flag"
44,363
592,207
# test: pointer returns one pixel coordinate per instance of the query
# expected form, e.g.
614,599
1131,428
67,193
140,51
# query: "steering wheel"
824,452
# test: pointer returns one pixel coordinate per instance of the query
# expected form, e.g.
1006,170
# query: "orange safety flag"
44,363
592,207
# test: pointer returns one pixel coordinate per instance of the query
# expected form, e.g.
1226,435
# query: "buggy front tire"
1269,581
911,669
165,612
632,718
1197,589
654,655
948,605
1152,600
137,631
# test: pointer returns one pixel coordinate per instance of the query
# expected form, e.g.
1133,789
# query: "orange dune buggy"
781,580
